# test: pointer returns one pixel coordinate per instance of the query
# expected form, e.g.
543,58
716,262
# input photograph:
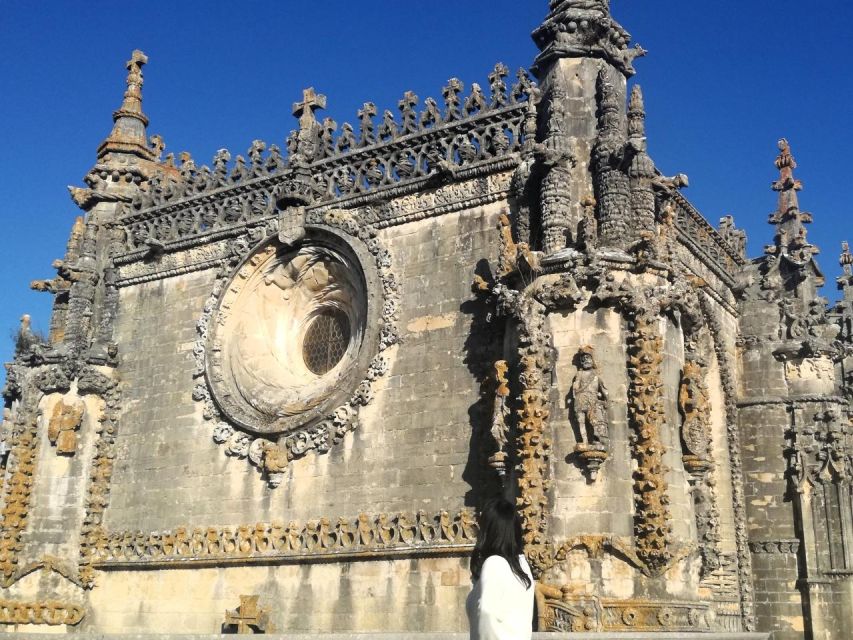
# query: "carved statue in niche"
500,428
587,404
694,406
63,425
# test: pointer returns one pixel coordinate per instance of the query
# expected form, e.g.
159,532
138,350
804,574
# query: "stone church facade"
276,390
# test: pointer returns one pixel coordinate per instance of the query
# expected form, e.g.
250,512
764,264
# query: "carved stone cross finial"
365,117
311,102
133,95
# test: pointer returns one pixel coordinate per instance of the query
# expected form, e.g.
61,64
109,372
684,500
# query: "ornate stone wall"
280,388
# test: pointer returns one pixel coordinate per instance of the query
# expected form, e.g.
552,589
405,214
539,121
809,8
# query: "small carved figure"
694,406
64,423
365,530
587,401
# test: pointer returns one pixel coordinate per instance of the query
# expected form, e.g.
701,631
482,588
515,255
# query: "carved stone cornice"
424,152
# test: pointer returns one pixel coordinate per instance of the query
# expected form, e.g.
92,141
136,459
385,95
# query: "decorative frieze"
773,547
560,610
47,612
324,539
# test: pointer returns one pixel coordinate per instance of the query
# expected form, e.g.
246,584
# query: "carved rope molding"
378,536
98,492
727,377
22,461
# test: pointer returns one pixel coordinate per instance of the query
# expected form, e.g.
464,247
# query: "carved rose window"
326,341
287,345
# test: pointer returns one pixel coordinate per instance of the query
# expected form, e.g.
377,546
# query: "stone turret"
127,158
791,401
582,67
129,134
584,29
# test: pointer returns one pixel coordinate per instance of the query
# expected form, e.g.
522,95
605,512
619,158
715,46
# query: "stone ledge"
397,636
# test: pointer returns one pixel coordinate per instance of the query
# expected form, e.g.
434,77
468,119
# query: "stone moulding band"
361,538
49,612
325,556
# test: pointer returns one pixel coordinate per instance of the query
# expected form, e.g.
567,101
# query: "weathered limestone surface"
278,388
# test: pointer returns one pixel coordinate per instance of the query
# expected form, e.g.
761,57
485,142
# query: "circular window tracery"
326,341
287,344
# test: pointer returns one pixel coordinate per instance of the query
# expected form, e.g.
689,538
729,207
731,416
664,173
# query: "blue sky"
723,81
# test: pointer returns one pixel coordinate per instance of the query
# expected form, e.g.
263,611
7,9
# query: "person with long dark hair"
500,605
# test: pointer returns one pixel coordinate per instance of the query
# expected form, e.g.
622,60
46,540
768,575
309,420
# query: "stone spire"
129,135
641,168
584,29
790,239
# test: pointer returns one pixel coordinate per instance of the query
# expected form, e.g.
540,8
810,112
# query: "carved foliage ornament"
292,338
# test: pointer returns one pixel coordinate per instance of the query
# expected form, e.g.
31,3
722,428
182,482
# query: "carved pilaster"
725,361
559,220
652,522
612,187
533,443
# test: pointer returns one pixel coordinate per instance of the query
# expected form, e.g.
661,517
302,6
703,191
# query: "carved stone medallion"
293,334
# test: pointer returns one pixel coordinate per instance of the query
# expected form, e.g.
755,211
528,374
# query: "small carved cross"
311,102
365,116
410,100
248,616
137,59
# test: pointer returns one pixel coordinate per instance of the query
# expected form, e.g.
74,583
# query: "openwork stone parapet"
427,148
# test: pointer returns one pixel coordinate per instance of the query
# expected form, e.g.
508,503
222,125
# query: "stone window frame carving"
325,425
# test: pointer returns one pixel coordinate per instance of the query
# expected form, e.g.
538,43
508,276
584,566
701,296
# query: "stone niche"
293,333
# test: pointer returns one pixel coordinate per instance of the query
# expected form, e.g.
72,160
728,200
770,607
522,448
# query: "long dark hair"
500,535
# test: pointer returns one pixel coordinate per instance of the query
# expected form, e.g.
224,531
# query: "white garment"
499,607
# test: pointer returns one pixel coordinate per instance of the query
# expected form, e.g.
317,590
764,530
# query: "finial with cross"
311,102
